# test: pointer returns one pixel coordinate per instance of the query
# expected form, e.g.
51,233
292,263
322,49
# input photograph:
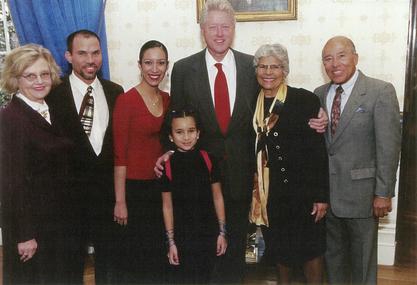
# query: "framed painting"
259,10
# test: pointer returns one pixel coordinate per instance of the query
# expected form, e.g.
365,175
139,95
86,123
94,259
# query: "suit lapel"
323,98
69,99
243,80
354,101
202,86
70,115
34,117
109,98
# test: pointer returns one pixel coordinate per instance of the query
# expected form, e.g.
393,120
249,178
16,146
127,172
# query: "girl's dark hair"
152,44
167,125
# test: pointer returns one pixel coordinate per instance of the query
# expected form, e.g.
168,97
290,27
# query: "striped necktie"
87,111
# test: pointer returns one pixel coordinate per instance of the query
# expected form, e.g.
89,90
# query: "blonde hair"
19,59
217,5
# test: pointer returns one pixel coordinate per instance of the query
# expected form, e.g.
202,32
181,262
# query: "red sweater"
136,135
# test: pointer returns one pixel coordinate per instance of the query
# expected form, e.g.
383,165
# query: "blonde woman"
34,172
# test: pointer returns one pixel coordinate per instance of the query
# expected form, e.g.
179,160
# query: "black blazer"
86,163
297,154
190,88
34,174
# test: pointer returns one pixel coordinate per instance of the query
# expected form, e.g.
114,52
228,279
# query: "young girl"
193,204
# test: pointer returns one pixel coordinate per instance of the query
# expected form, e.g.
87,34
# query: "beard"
87,75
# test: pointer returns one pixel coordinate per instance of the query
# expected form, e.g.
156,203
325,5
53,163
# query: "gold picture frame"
259,10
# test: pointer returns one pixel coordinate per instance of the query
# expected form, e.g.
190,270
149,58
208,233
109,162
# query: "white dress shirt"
101,109
42,109
347,90
229,69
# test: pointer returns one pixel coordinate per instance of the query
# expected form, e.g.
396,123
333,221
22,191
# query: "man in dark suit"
93,159
363,142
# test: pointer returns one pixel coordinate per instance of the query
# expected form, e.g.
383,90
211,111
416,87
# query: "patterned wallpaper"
378,27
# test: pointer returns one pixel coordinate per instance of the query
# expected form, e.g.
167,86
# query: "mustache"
90,65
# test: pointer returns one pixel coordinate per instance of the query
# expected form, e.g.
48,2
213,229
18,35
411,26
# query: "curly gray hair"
276,50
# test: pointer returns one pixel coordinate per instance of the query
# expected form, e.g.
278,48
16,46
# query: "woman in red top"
137,120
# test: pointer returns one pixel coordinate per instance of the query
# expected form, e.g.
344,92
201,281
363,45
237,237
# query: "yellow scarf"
262,126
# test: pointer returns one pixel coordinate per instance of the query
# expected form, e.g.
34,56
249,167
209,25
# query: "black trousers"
92,218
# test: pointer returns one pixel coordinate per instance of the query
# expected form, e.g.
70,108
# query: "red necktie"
221,99
336,109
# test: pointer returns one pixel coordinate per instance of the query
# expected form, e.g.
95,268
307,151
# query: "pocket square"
360,110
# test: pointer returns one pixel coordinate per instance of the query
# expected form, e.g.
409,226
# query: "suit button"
285,180
279,157
275,134
277,147
282,169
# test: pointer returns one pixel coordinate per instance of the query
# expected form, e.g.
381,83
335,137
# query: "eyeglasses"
31,77
273,67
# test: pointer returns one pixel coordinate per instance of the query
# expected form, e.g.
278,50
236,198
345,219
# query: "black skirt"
293,237
142,257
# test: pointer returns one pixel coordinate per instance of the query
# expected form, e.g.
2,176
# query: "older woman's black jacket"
297,154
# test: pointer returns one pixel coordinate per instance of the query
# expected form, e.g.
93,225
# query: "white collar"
348,85
227,61
80,85
38,107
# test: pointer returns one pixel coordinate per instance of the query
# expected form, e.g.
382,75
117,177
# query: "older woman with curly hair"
292,169
34,172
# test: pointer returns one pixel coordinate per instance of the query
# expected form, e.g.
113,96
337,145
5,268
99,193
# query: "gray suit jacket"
190,88
364,152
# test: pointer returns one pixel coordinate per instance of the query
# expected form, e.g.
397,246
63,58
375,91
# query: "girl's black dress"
195,220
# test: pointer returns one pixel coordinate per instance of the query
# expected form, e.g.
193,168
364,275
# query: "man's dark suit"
93,184
190,88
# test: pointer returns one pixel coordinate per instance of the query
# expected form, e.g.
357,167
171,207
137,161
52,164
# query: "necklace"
147,98
156,101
